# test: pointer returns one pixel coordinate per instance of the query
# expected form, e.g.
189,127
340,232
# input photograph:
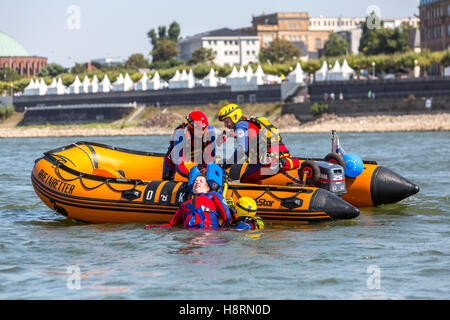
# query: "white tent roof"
156,76
86,81
259,71
76,82
298,70
105,80
323,69
242,73
119,79
211,74
30,85
184,75
336,67
191,75
144,77
176,76
234,73
346,68
53,84
94,79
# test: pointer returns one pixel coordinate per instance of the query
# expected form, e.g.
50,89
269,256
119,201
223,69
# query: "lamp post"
373,69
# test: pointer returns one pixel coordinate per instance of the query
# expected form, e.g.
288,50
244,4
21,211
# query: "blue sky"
118,28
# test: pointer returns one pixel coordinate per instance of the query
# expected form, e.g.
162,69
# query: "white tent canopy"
42,88
297,75
347,72
85,85
211,80
93,86
321,74
123,83
183,80
257,77
155,82
105,84
335,73
142,84
56,87
74,88
30,90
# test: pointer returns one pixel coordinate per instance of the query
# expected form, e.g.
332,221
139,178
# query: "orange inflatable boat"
98,183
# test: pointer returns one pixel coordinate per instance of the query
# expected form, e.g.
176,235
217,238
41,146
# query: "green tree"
51,70
382,40
164,42
164,51
336,46
174,31
202,55
78,68
279,51
136,61
9,74
445,61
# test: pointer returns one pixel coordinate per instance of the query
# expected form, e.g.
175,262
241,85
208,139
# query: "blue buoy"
353,165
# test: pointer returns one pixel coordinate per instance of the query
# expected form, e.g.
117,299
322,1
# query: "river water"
399,251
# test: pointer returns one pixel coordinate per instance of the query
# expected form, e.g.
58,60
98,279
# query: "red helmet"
197,118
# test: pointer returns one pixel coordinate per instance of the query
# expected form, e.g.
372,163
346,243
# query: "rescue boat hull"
79,182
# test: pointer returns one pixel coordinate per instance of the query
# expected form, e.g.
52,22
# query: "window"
240,99
318,43
252,98
448,30
448,10
236,43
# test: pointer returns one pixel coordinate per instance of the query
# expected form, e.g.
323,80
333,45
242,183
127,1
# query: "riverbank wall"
374,107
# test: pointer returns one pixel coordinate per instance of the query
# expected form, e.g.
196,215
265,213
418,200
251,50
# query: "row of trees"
388,48
383,63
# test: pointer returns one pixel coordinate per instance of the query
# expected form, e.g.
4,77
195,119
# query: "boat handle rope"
107,181
269,193
90,158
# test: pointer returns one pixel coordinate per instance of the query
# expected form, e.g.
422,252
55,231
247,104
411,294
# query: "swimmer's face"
200,185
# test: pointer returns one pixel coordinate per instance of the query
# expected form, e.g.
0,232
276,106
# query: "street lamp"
373,69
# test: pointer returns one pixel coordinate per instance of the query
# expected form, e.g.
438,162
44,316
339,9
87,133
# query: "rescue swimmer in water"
206,208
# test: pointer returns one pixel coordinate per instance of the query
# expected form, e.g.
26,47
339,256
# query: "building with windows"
310,34
13,55
230,47
435,24
291,26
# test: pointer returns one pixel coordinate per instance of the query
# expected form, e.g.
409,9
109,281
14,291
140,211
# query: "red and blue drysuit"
201,152
246,135
204,211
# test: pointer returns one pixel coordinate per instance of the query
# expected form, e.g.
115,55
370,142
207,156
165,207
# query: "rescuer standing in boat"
193,140
259,143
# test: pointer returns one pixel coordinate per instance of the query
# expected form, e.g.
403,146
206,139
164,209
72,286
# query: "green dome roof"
11,48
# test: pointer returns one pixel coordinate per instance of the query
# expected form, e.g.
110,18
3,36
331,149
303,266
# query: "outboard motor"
332,178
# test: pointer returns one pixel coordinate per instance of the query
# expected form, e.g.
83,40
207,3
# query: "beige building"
292,26
310,34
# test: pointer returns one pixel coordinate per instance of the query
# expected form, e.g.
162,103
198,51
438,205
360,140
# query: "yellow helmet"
232,111
246,207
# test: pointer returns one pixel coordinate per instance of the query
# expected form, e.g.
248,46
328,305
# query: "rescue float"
98,183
